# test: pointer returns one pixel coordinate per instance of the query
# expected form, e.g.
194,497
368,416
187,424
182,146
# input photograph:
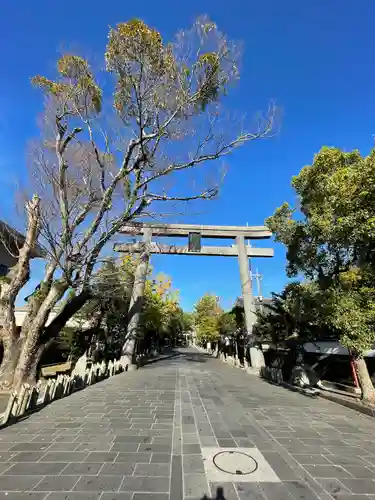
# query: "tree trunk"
12,349
32,377
368,391
128,358
32,337
15,279
69,309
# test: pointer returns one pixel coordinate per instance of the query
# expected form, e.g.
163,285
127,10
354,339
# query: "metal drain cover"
235,462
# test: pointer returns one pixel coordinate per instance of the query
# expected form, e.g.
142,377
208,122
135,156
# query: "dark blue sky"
315,58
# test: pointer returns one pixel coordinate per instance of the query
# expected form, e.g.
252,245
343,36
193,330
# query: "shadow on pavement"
293,388
219,495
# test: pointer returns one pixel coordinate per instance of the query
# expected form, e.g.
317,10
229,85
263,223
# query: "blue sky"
315,58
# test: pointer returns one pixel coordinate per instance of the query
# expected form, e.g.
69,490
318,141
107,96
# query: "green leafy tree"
332,242
227,323
208,330
207,312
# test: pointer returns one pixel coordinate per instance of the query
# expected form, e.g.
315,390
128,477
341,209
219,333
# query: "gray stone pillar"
128,360
246,285
256,355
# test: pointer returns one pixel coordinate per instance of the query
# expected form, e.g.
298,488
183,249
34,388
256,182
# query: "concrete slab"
242,465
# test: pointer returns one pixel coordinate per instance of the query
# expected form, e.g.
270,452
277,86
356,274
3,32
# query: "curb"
161,358
353,405
310,392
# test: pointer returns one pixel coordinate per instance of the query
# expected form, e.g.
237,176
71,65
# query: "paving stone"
117,469
360,472
101,456
145,484
64,456
238,433
152,470
227,443
18,483
223,490
300,490
68,425
280,466
6,456
74,495
116,496
275,491
82,469
244,443
150,496
195,485
30,446
333,486
191,449
249,491
176,483
23,456
98,483
134,457
4,467
63,446
208,441
132,439
313,459
360,486
56,483
327,471
156,448
162,458
126,447
15,495
41,468
193,464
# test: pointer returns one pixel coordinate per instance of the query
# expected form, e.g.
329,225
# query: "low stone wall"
273,374
30,398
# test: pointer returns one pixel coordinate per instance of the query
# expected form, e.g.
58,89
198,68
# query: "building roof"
14,239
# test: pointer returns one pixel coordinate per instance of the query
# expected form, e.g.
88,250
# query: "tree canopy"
330,240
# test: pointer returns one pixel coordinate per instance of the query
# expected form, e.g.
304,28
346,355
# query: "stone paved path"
146,435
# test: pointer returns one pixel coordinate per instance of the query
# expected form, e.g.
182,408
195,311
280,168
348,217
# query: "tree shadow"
196,358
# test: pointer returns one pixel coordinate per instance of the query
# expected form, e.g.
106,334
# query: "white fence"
30,398
233,361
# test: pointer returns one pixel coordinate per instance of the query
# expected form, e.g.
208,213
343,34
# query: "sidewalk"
158,432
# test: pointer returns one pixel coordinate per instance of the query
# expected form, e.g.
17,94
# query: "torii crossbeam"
194,233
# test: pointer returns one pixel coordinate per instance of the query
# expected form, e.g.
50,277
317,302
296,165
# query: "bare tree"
108,163
10,286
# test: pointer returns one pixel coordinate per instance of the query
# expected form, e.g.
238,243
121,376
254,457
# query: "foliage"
300,311
207,314
332,243
162,316
227,323
208,330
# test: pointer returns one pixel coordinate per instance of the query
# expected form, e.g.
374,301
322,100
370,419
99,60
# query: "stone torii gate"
194,233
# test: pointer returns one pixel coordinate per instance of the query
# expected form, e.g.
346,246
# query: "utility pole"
258,278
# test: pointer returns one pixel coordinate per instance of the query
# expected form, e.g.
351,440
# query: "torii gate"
194,233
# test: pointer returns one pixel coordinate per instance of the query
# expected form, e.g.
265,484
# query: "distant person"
227,345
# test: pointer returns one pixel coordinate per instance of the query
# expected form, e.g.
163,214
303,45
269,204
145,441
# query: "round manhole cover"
235,462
